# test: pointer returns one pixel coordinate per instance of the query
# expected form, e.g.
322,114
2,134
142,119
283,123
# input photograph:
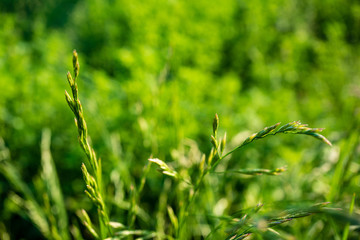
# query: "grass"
238,228
52,224
216,156
188,204
94,189
152,76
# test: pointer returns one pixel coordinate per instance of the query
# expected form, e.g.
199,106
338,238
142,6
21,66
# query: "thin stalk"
136,196
347,226
185,213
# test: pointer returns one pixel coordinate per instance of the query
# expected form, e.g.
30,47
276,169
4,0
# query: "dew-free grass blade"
51,180
34,212
347,226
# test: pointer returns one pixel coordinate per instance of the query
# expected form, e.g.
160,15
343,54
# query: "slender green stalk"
53,185
135,196
94,188
347,226
185,212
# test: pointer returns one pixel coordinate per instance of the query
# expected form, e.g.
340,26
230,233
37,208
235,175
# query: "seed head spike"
222,144
214,142
70,79
76,65
215,124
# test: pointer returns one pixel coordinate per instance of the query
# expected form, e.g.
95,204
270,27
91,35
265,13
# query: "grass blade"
51,180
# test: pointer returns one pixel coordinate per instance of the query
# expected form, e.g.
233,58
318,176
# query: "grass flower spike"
93,180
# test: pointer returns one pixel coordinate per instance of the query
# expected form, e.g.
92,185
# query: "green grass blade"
347,226
51,180
34,212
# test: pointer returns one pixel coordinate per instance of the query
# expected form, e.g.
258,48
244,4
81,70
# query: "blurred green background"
152,76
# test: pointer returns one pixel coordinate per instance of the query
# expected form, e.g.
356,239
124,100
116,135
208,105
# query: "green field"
175,100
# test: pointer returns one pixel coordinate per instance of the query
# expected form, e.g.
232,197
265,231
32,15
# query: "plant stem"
93,184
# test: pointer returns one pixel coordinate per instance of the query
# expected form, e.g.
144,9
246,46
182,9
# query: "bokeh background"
152,76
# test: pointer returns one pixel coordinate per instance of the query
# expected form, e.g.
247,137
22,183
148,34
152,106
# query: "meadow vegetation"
185,88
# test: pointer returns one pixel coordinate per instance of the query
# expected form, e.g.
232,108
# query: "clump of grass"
48,213
237,227
208,165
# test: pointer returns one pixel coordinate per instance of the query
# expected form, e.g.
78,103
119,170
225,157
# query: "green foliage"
50,216
153,73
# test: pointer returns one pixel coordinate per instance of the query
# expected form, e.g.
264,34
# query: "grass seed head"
215,124
76,64
211,157
214,142
164,168
202,163
70,79
222,144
